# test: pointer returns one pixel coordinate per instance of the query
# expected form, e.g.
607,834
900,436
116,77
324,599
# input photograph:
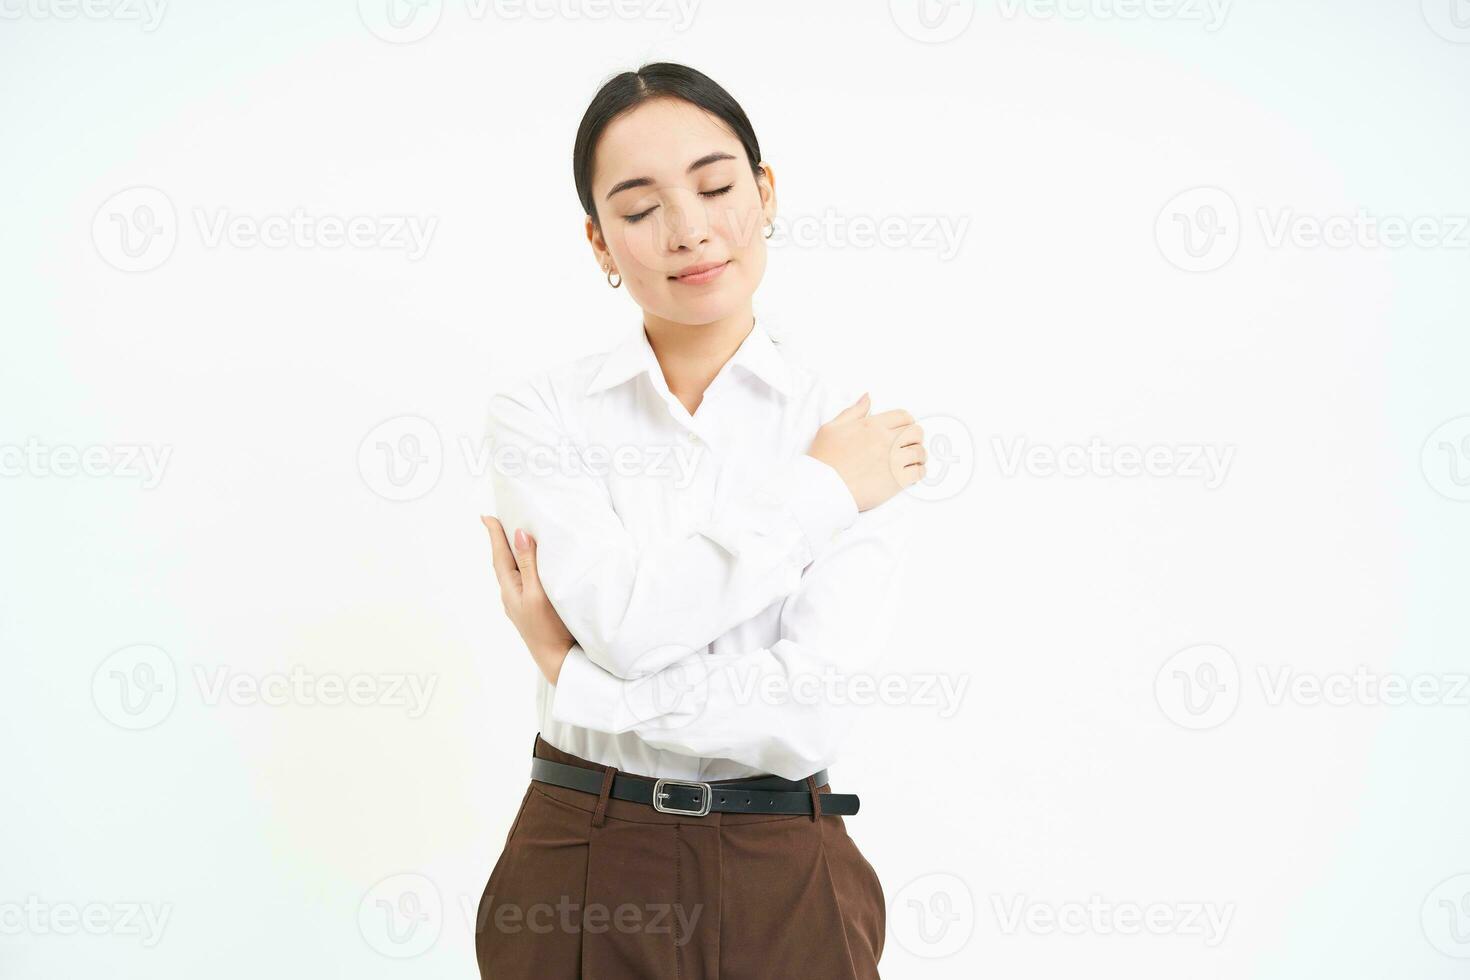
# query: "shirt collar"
757,354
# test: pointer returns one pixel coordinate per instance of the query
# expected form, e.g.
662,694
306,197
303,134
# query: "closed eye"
633,219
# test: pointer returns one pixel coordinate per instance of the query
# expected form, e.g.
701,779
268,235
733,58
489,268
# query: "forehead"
659,139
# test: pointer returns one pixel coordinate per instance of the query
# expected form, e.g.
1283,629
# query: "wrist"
550,658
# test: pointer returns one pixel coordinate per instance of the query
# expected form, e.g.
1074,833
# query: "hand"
876,455
525,602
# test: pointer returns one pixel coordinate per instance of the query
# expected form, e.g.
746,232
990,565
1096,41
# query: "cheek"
752,264
741,228
636,246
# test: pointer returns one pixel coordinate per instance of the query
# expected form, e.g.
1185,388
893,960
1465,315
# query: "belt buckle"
659,796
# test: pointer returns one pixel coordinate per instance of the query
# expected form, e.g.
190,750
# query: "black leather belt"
692,798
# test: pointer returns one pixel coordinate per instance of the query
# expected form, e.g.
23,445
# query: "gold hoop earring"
608,270
772,227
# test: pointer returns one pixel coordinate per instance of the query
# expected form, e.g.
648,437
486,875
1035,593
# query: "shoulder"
553,395
825,391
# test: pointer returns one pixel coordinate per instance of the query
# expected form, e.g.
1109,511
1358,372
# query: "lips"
703,272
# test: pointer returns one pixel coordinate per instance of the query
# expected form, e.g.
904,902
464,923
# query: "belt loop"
811,782
600,812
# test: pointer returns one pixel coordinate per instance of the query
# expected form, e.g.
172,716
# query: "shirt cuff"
820,501
585,695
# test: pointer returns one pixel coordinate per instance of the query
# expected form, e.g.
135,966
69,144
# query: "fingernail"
520,540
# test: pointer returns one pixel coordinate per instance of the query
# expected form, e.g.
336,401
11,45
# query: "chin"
711,304
705,312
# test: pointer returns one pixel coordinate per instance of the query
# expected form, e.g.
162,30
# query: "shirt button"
690,436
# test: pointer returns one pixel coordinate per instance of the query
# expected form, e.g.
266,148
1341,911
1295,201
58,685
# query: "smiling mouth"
703,275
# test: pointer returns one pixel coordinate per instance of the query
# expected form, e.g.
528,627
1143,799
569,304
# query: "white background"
276,835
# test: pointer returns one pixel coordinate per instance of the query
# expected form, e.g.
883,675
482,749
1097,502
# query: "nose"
686,225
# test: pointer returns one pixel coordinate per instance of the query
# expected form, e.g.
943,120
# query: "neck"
690,355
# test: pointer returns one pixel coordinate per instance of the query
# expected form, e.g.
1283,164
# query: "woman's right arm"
636,609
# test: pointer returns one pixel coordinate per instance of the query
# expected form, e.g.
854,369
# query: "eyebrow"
703,161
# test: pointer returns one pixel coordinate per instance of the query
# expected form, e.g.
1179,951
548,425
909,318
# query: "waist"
584,782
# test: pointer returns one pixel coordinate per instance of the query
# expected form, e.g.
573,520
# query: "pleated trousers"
601,888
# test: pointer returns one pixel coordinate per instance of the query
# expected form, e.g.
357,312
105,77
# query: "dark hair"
630,89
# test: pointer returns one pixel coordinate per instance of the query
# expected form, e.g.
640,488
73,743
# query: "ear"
765,183
600,254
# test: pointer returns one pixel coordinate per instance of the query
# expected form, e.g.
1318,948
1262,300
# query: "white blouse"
728,600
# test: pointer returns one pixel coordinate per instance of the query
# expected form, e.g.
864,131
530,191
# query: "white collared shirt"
728,600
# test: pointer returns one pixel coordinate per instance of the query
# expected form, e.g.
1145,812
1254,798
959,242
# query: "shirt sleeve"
783,709
636,607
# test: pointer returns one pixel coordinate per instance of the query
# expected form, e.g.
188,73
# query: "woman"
702,551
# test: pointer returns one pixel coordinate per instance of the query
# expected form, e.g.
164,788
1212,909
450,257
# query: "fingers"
910,435
526,561
506,571
909,455
909,464
894,418
911,474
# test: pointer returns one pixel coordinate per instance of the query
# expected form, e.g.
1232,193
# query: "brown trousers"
606,889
